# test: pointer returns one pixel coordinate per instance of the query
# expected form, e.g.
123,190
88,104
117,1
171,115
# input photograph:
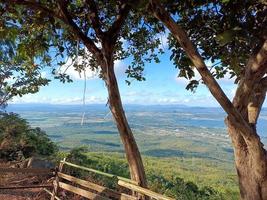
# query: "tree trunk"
131,149
104,57
251,171
250,161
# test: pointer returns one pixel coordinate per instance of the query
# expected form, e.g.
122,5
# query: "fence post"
29,162
56,181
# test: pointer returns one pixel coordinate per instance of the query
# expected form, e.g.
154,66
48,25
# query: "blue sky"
161,87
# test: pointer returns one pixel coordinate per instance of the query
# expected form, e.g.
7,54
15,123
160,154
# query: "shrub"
18,140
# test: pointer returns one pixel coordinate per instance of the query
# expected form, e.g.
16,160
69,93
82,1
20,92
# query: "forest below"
176,164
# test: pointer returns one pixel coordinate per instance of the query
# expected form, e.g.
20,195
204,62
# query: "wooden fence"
93,191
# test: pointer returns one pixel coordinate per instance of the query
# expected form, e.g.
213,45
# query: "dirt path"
19,179
22,194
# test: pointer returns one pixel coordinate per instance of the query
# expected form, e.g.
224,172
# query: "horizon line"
126,104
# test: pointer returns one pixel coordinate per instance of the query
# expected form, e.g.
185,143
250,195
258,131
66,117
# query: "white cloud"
69,69
43,74
31,98
132,93
120,68
11,80
225,80
197,100
124,43
164,40
130,97
167,98
183,81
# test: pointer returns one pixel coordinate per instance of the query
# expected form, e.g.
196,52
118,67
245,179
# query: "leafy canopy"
35,35
19,74
225,32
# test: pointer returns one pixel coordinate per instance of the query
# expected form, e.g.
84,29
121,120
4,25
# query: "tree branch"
77,31
66,18
94,17
114,30
256,102
191,51
255,69
256,63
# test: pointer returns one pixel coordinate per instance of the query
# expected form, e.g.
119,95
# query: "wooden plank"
100,173
56,181
81,192
144,191
24,187
103,190
57,198
34,171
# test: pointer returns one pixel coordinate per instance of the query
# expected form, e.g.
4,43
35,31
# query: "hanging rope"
84,75
84,95
106,116
77,57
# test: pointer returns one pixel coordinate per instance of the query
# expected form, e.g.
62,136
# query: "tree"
20,76
49,31
16,136
235,34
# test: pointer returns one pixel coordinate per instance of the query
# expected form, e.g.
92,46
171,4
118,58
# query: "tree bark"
251,172
131,149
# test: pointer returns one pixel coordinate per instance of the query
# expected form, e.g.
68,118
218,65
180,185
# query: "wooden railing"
93,191
99,172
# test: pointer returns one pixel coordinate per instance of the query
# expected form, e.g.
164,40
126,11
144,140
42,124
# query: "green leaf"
225,37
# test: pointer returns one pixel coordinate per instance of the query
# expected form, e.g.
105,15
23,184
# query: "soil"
20,179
